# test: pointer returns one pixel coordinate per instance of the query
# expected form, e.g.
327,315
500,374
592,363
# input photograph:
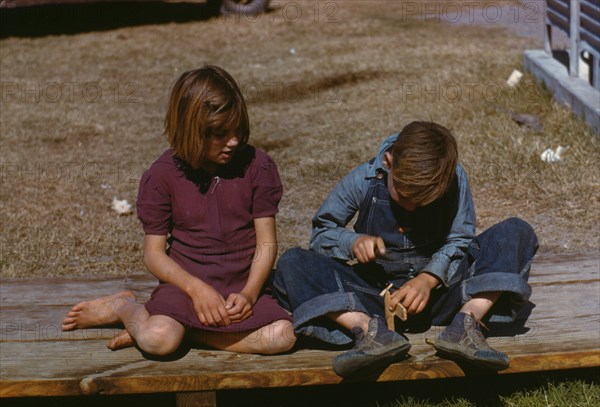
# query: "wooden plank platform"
37,359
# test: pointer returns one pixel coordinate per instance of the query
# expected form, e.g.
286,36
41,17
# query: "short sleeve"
266,185
154,204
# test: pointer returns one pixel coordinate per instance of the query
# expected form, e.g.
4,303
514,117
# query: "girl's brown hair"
204,102
424,158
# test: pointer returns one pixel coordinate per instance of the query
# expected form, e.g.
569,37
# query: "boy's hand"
239,307
367,248
414,294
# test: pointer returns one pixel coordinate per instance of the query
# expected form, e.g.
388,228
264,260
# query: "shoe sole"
371,365
456,355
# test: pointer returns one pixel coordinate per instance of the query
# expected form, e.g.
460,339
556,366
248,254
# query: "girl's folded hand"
210,306
239,307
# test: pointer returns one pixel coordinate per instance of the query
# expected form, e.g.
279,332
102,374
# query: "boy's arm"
445,261
330,236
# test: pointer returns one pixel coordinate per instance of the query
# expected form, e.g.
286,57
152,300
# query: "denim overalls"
410,237
312,285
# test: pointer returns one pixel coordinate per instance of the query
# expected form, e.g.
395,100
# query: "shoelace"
481,336
475,336
478,321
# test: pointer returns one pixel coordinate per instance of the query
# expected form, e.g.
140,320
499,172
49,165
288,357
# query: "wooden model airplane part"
399,310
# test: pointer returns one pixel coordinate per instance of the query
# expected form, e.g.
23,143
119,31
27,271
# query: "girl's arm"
208,303
239,305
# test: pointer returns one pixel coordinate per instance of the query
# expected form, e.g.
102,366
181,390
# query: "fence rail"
580,20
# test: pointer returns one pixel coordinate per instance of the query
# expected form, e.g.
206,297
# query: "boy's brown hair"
424,158
204,102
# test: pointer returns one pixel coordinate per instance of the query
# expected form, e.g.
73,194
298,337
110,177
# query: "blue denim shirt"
331,237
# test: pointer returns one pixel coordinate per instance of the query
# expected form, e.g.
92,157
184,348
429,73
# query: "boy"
416,230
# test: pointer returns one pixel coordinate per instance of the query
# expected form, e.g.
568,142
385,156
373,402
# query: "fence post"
574,38
547,30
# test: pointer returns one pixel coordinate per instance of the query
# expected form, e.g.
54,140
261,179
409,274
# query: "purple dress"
209,221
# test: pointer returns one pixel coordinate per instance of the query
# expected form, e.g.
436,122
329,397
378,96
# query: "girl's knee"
284,337
159,339
277,337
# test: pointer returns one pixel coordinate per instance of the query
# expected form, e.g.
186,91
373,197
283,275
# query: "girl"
207,206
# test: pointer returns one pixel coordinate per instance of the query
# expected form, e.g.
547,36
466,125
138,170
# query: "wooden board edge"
111,385
428,368
39,388
557,361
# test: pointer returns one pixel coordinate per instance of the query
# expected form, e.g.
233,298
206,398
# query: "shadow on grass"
56,19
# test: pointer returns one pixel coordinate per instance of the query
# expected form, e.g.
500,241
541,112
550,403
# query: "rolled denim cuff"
438,266
340,248
346,242
513,284
321,306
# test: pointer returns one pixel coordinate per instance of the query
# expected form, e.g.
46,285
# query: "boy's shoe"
372,351
463,340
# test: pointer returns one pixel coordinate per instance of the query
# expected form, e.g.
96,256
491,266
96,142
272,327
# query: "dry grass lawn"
81,118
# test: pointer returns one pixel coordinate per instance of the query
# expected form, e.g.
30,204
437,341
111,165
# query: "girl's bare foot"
121,341
101,311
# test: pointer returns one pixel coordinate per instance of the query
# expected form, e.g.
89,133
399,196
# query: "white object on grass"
551,156
122,207
514,78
